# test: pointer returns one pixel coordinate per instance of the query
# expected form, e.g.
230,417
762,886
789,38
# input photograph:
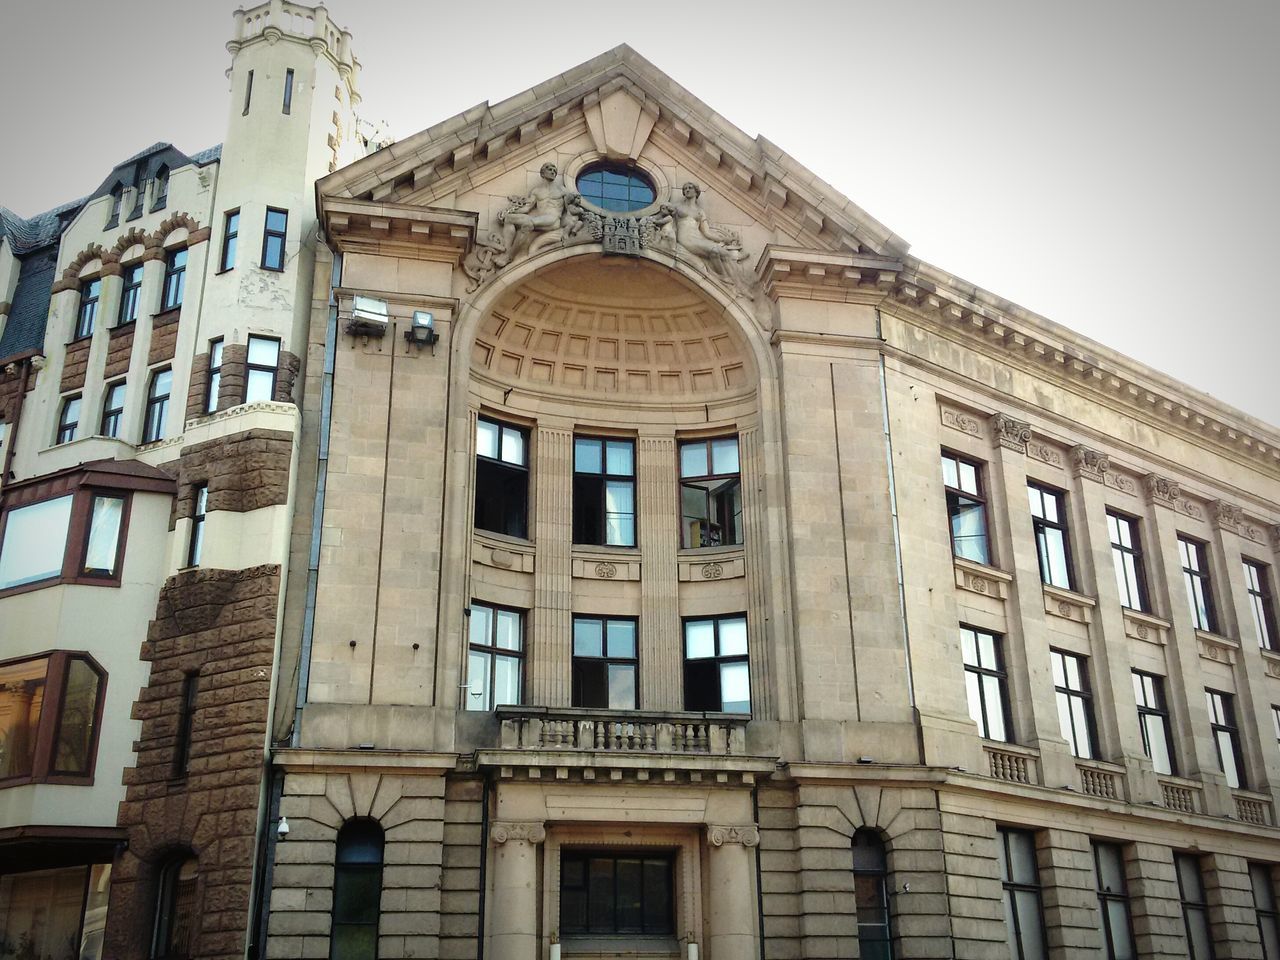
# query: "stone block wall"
1155,902
1069,893
220,625
119,350
75,365
244,471
164,337
460,883
1232,920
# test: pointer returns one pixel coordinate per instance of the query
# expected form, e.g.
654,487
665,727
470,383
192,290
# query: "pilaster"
549,653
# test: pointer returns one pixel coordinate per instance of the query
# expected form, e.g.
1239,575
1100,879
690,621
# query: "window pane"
508,632
276,220
273,252
968,477
259,386
35,538
699,639
1022,857
724,456
972,690
600,895
619,497
481,625
657,896
586,456
22,687
487,439
477,691
590,682
354,941
1198,926
1082,745
693,460
629,895
620,530
987,650
1110,868
104,535
618,460
513,446
735,688
622,638
622,686
1118,918
264,352
733,637
357,891
1056,558
995,709
1161,760
1030,925
969,646
161,383
587,638
969,530
506,681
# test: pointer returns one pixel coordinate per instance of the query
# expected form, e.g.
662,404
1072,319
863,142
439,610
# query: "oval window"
616,188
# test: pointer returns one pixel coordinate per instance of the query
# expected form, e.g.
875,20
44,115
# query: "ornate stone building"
577,530
681,568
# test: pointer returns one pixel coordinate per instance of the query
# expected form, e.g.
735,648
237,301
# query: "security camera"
282,829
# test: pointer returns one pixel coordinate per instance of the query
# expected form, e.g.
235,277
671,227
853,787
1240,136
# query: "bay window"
50,714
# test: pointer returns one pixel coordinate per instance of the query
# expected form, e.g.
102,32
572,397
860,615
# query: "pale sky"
1112,166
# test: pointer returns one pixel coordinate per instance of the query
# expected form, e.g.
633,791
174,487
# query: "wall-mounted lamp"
282,829
423,330
368,317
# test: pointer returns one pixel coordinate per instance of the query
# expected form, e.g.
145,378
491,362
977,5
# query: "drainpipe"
317,511
897,543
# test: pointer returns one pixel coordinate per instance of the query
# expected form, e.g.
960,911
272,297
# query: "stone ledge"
981,579
1068,604
1144,626
1217,648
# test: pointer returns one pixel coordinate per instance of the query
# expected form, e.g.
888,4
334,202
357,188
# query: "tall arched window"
357,891
175,908
870,879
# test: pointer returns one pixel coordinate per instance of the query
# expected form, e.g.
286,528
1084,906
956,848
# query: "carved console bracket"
529,831
718,836
1162,491
1010,433
1227,516
1090,464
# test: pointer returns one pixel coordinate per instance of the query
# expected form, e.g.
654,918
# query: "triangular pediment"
625,107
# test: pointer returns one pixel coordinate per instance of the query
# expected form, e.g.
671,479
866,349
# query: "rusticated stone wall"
219,624
244,471
164,337
119,349
75,364
10,387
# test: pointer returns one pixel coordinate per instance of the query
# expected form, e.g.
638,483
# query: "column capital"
531,831
1010,433
748,835
1090,464
1162,491
1227,516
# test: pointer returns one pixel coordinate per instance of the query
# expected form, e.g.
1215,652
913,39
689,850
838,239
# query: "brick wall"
221,624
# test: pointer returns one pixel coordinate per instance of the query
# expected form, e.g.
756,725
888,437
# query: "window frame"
268,235
252,368
1072,695
604,478
978,497
1190,906
997,672
186,725
357,867
66,430
584,854
693,482
1199,577
49,725
878,876
230,240
87,311
248,94
154,401
1266,915
113,414
634,175
167,894
286,106
1161,711
718,658
606,658
508,467
160,190
213,380
199,513
1223,723
131,278
492,651
1120,552
1257,584
1011,888
1106,896
1041,524
174,274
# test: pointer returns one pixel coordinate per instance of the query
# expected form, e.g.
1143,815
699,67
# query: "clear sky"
1113,166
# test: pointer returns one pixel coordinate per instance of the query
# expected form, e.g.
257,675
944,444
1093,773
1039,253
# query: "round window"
616,188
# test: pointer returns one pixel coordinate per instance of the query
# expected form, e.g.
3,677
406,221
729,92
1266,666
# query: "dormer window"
160,192
117,197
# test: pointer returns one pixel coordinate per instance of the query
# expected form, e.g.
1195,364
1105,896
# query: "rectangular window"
35,541
103,544
1113,901
129,295
604,662
1153,719
604,492
215,376
1275,722
615,893
68,420
273,239
186,721
985,683
1226,736
1126,551
230,231
90,292
49,714
1049,520
199,505
502,478
710,493
1195,575
1257,580
966,508
1264,904
175,279
112,409
1075,703
153,427
1023,914
717,675
495,657
1195,906
287,105
248,94
264,361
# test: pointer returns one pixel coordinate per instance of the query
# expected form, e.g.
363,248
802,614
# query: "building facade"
578,530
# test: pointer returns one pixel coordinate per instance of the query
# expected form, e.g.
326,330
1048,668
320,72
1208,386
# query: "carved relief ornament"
1010,433
1227,516
747,835
528,831
1161,490
554,215
1090,463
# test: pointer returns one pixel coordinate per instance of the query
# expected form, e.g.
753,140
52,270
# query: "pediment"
617,106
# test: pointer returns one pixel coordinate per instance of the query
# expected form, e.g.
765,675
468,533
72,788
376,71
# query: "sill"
1217,648
57,779
724,548
1270,660
126,325
982,569
503,538
607,549
1071,596
81,581
112,224
271,269
1145,616
82,339
621,946
218,273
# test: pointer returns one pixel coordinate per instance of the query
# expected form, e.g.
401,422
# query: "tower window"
230,231
287,106
248,94
89,295
175,279
273,239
